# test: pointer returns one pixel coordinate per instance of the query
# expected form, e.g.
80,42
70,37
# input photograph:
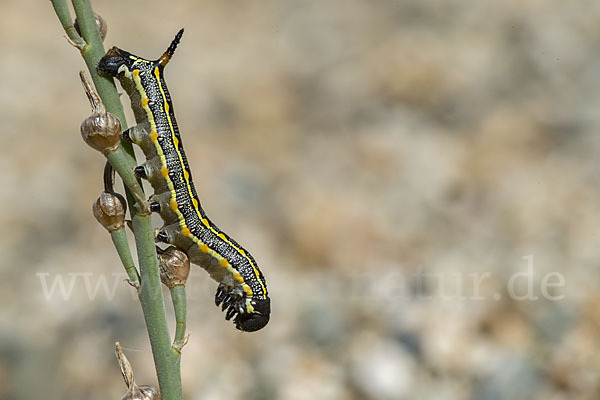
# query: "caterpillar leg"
161,236
137,134
163,204
140,172
230,298
126,135
171,234
234,300
152,170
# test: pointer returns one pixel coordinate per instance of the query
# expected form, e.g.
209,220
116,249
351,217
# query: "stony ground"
418,180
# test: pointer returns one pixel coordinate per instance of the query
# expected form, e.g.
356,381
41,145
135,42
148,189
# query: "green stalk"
179,304
151,299
92,53
124,165
64,16
166,359
119,238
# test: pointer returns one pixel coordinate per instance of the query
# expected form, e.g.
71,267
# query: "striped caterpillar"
242,287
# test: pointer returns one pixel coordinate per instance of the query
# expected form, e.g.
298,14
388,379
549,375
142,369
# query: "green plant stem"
64,16
92,50
179,305
122,163
92,53
119,238
166,359
154,312
105,86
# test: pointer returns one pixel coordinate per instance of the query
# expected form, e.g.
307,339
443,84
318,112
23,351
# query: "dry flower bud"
134,392
143,392
102,132
109,210
174,267
100,23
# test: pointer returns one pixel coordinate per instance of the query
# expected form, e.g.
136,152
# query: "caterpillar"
242,288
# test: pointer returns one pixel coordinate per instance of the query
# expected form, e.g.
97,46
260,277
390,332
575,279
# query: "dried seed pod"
100,23
134,392
109,210
101,130
143,392
174,266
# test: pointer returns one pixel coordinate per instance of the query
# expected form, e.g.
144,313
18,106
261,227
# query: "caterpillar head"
255,320
118,63
234,301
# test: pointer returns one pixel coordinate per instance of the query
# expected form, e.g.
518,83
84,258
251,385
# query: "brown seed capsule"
174,266
101,130
100,23
109,210
143,392
134,392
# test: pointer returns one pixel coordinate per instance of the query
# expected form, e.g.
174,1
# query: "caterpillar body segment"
242,287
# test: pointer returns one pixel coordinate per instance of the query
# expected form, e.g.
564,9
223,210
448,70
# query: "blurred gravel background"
379,158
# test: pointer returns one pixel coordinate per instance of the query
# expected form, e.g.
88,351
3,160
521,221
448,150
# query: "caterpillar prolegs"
242,287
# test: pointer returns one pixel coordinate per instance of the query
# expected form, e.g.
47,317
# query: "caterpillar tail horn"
166,57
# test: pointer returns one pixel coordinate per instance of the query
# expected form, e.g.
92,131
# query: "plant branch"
166,359
179,305
64,16
154,312
119,238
